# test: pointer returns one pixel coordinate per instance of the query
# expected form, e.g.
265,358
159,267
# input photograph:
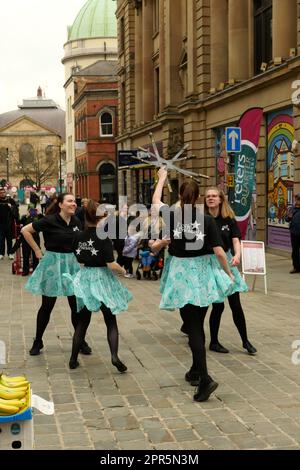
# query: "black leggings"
84,317
193,318
237,315
45,310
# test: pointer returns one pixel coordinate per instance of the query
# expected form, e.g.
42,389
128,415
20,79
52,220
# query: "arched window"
26,154
3,155
107,177
106,124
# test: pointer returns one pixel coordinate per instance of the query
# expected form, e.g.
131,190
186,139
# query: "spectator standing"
293,218
9,213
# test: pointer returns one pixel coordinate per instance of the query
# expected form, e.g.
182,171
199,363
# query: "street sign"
233,137
125,158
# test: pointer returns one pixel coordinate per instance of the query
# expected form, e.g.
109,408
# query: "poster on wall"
281,172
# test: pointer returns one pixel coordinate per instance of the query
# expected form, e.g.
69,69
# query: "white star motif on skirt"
78,251
90,242
94,252
176,233
75,229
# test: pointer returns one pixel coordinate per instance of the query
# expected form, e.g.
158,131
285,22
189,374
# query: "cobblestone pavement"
257,404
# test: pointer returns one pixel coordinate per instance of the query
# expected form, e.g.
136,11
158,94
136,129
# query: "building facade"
190,68
31,143
92,37
95,109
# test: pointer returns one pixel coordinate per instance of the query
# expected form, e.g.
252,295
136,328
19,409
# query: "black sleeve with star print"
91,250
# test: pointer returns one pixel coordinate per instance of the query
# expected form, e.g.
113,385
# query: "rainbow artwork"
280,175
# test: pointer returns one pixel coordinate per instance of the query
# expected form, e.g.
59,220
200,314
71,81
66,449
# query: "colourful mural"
280,176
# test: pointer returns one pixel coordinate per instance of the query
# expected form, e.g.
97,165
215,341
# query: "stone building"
190,68
31,142
92,37
95,108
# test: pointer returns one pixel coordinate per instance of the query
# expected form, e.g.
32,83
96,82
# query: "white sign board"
254,260
253,257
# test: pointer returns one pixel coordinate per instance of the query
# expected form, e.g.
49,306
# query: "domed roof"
96,19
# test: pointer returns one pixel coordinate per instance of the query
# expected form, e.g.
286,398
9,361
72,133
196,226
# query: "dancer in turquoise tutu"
217,206
193,278
96,287
59,227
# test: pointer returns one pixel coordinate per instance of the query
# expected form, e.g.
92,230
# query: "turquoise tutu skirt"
47,279
94,286
239,285
198,281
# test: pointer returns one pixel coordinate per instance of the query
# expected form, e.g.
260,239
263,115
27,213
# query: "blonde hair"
225,209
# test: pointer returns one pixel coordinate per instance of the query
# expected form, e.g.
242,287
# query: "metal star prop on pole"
168,164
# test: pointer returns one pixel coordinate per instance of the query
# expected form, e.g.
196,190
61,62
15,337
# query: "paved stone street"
257,404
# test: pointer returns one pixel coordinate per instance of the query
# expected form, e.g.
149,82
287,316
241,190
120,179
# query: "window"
262,33
122,35
123,106
107,177
155,16
156,91
26,154
106,124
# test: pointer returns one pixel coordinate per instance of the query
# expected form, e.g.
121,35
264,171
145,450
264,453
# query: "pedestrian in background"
293,218
9,215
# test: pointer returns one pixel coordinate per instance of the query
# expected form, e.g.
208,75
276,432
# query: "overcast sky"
32,35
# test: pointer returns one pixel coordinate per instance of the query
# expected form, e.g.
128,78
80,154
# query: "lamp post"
60,180
7,166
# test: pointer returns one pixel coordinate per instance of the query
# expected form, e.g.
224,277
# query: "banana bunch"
14,394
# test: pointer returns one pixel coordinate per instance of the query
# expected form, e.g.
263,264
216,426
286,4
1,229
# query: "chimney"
39,92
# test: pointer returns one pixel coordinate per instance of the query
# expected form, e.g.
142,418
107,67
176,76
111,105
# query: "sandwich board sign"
254,260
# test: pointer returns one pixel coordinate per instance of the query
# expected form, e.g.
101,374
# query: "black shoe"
217,347
25,273
73,364
36,347
251,349
119,365
85,349
193,377
204,391
184,329
294,271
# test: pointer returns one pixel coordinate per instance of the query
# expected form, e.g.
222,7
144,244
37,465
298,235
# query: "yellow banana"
11,393
7,383
16,402
8,409
20,378
22,388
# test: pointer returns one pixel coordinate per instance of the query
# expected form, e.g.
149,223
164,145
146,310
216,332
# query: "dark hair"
91,216
189,193
54,206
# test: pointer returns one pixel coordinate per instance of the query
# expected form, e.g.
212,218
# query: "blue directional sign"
233,137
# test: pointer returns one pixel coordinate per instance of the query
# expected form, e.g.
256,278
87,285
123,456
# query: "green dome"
96,19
